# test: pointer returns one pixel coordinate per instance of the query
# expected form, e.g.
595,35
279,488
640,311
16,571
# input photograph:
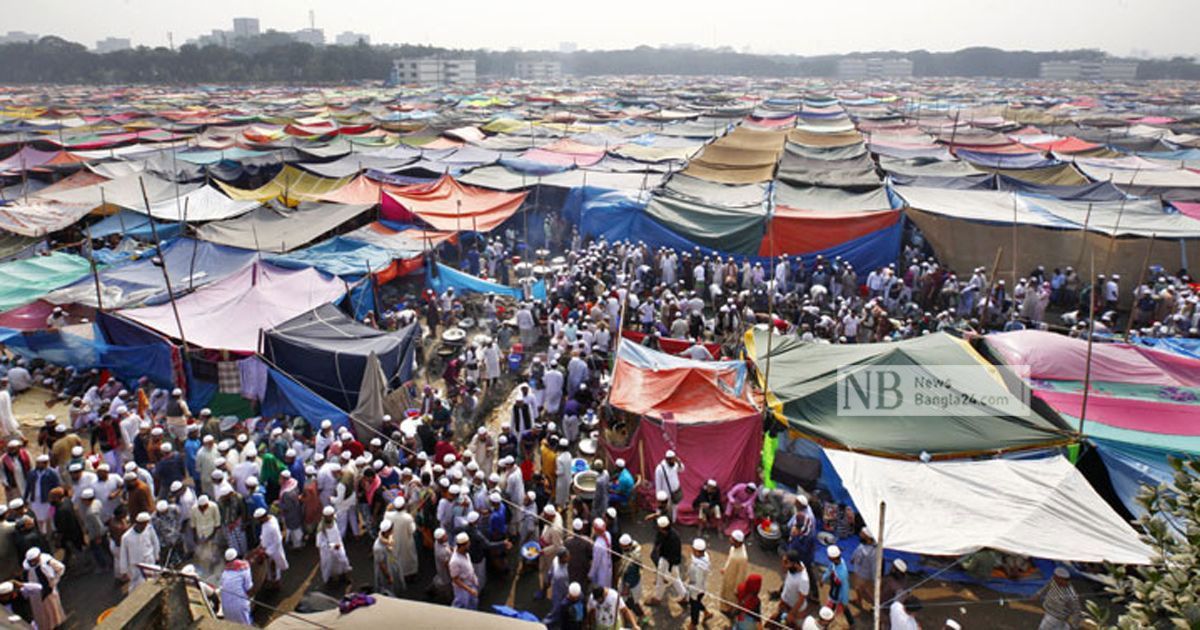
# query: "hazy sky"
1159,27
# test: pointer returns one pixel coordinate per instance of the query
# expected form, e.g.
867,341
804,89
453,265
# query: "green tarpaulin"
23,281
804,379
733,230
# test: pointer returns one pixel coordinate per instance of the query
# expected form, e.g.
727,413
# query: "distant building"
539,70
874,67
245,27
433,71
1081,70
18,37
311,36
217,37
113,44
349,38
567,47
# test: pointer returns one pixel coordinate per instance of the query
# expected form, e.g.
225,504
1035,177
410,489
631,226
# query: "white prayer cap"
203,500
260,512
625,540
398,503
43,458
87,493
60,428
738,535
802,499
549,510
230,554
166,447
326,424
291,452
156,431
439,533
900,565
462,538
208,439
385,526
252,481
143,517
6,587
663,522
577,524
176,486
14,443
826,613
328,511
953,625
699,544
494,497
130,476
76,451
472,516
661,495
76,467
161,506
176,392
33,554
670,454
620,463
834,552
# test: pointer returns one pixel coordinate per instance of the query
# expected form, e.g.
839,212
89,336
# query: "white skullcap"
439,533
76,467
161,506
88,493
462,538
738,535
6,588
826,613
494,497
661,495
398,503
328,511
203,500
669,454
130,476
385,526
834,552
143,517
472,516
802,499
625,540
900,565
575,590
549,509
230,554
620,463
76,451
325,424
260,512
291,452
43,458
663,521
166,447
699,544
953,625
252,481
33,554
577,524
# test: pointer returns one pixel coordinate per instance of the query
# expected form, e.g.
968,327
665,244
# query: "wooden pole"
983,321
92,259
163,260
879,562
1087,369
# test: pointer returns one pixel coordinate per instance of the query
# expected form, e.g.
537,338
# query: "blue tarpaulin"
1178,345
448,277
133,225
338,256
127,362
1131,466
286,396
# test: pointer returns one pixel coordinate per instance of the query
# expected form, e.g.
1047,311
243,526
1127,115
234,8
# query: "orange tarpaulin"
450,206
793,231
678,393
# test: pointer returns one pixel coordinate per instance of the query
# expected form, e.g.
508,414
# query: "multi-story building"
18,37
1085,70
311,36
433,71
539,70
350,38
245,27
874,67
113,44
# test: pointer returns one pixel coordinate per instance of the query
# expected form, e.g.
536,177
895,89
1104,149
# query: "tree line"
275,58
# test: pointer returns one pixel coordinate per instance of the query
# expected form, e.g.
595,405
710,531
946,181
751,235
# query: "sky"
1120,27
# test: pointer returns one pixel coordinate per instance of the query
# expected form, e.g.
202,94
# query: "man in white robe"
271,541
8,420
329,543
236,583
404,546
139,544
554,390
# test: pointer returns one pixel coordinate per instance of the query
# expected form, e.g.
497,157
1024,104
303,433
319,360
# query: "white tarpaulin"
1040,507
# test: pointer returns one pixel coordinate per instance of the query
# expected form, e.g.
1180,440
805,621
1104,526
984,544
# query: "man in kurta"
139,544
737,567
329,543
600,573
270,538
404,545
562,475
384,560
43,569
236,582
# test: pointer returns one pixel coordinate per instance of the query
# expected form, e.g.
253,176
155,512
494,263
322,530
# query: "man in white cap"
15,465
8,420
838,577
903,614
442,550
735,570
387,581
562,475
270,538
823,619
697,579
41,568
334,562
1060,603
462,574
139,545
666,479
206,519
42,480
90,514
178,415
551,540
236,583
403,541
601,569
667,555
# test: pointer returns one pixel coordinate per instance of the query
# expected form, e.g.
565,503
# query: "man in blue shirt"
838,577
623,489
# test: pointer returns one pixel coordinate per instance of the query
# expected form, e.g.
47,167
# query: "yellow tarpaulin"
292,185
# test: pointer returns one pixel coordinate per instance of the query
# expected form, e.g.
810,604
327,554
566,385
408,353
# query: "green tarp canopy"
733,230
804,378
23,281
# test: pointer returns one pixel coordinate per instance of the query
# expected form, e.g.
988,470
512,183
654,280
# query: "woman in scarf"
747,617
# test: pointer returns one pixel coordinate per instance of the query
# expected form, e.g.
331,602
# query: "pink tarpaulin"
1057,357
1129,413
725,451
1188,208
229,314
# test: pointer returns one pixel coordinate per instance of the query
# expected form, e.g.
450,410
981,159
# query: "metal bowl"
584,483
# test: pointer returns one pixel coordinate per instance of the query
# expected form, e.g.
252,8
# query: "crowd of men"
131,478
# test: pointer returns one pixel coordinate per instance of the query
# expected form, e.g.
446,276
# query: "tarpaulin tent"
287,396
803,392
450,206
326,351
189,263
1042,508
402,241
690,407
744,156
125,192
291,185
202,204
417,615
734,230
341,256
450,278
23,281
37,218
276,228
229,315
130,224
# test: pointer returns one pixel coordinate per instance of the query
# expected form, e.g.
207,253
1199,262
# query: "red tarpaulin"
684,394
725,451
450,206
795,231
671,346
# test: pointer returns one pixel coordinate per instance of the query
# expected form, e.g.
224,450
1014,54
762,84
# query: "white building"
1079,70
874,67
18,37
433,71
311,36
245,27
350,38
539,70
113,44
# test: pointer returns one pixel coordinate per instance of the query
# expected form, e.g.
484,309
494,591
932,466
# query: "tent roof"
22,281
450,206
228,315
416,615
327,328
803,391
1042,508
277,229
1052,356
664,386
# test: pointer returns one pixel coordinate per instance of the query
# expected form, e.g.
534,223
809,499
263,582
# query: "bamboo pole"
163,260
1136,287
1087,369
878,562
